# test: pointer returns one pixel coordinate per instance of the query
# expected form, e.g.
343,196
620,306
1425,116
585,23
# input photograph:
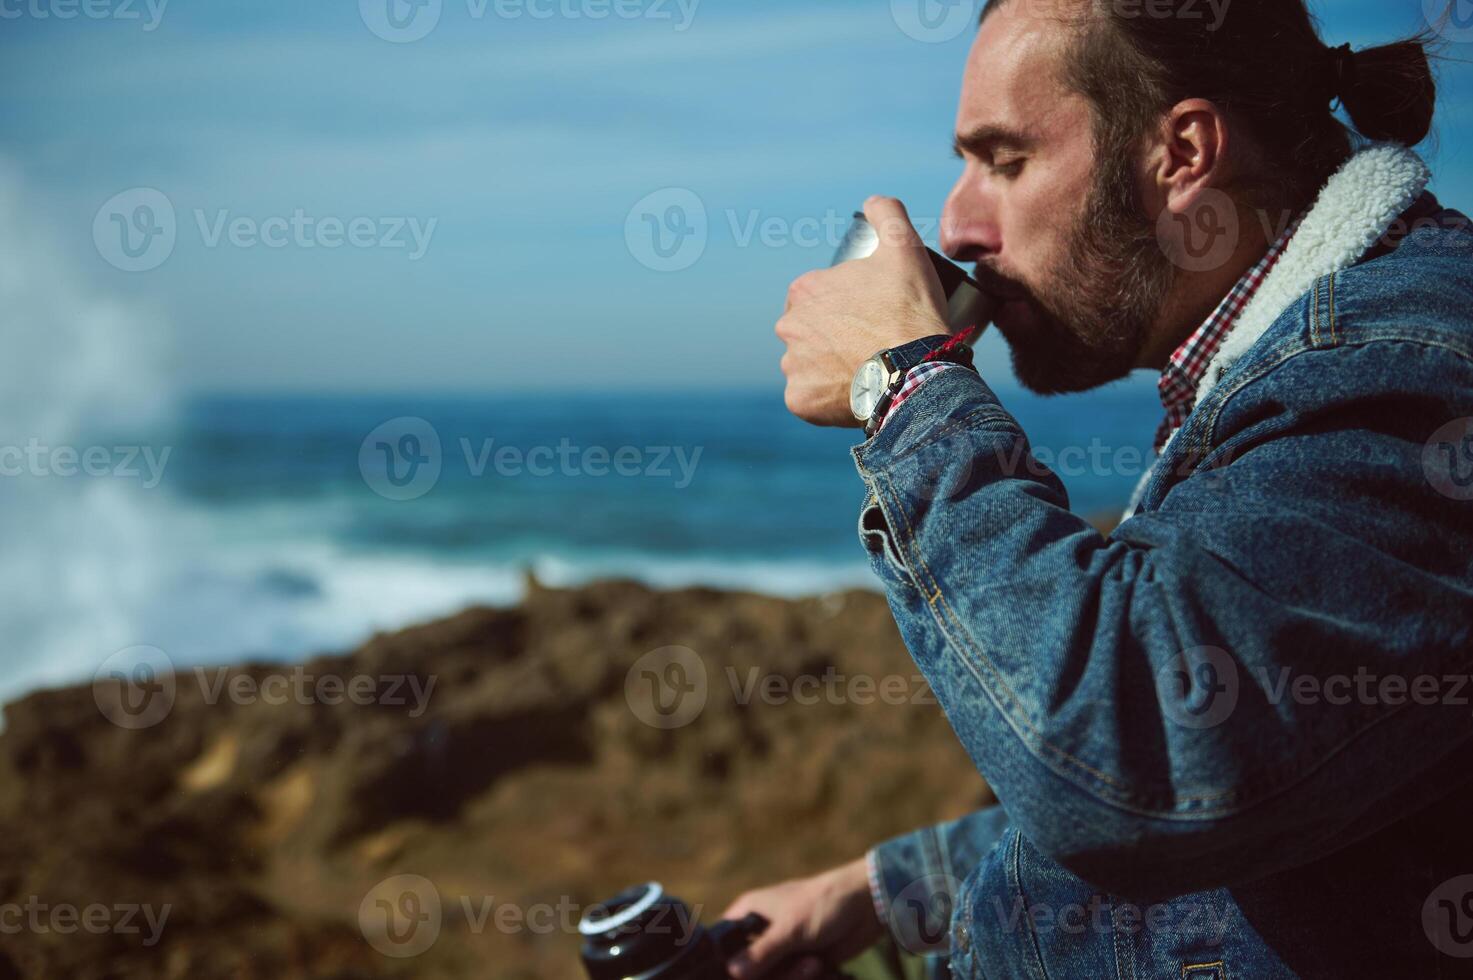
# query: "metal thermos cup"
967,304
645,933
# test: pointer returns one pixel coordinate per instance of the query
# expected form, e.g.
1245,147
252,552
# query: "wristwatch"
880,377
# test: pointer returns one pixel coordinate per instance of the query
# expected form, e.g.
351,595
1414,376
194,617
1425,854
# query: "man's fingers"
743,967
737,910
806,968
892,223
765,955
803,968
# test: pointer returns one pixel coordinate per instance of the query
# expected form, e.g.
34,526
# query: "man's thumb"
892,223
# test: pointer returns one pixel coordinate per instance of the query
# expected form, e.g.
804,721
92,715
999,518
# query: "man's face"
1064,243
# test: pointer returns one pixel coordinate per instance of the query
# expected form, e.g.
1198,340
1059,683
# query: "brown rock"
526,788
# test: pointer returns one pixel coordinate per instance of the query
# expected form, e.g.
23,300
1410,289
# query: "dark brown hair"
1263,63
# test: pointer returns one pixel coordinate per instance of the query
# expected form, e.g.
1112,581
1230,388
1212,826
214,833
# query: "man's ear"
1192,154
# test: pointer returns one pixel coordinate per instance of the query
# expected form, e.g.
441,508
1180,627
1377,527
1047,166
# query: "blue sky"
517,144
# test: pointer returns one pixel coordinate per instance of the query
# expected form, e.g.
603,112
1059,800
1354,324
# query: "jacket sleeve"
915,878
1220,689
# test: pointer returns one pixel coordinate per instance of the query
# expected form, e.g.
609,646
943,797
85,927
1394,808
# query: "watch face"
868,388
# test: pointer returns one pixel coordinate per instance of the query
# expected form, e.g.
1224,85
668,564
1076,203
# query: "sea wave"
283,603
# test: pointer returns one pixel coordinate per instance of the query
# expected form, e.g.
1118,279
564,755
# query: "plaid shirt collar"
1178,384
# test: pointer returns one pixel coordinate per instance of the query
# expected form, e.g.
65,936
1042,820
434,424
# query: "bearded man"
1231,739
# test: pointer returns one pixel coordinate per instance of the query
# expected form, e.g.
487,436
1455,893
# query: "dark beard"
1093,313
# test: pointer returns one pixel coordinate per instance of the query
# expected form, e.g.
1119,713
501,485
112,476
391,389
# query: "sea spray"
82,554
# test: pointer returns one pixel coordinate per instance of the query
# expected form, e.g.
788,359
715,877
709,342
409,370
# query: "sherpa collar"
1354,210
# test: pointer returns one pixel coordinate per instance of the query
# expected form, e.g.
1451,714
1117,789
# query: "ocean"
272,527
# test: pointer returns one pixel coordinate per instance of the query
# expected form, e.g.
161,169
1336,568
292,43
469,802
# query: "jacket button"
962,937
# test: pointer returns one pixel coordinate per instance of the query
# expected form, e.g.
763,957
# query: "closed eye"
1006,168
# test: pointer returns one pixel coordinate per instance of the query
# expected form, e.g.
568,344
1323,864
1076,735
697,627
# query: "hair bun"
1388,91
1342,71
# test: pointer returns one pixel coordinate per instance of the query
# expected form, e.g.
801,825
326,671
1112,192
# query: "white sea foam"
80,554
788,579
223,594
285,601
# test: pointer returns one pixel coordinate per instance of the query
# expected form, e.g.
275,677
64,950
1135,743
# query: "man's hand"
838,318
829,918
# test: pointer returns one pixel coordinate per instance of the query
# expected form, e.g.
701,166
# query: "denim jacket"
1231,740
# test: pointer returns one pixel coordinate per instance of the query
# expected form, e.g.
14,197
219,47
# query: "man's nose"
969,228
